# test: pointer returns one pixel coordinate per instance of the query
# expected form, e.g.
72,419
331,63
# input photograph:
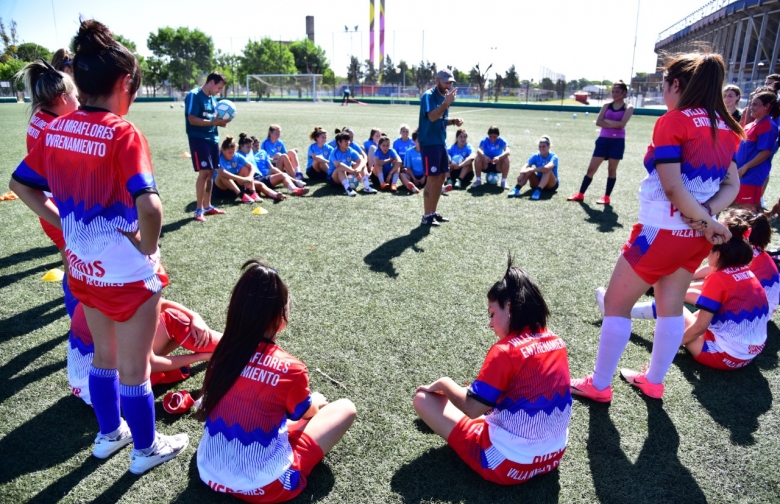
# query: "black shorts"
435,160
610,148
316,175
205,154
491,168
219,193
455,174
265,179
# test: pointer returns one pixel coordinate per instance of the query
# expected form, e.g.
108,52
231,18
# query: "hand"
457,121
741,172
450,96
134,237
318,400
496,159
200,331
696,225
220,122
432,388
716,233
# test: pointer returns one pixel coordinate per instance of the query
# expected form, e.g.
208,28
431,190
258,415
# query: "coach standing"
201,125
432,135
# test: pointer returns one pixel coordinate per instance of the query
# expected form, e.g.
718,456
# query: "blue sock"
104,392
70,299
138,408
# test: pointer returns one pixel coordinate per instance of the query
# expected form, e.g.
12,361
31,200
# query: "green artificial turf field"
383,305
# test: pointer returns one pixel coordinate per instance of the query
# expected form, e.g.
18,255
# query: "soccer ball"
354,182
226,110
492,177
574,116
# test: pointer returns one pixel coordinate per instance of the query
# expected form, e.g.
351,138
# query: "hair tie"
746,234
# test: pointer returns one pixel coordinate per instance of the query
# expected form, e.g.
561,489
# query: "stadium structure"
744,32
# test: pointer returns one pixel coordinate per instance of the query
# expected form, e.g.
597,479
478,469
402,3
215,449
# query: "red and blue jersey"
96,164
740,311
525,380
37,124
684,137
766,273
245,444
761,135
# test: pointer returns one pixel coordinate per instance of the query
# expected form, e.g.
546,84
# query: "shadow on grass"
319,485
48,439
32,319
485,190
172,227
380,260
606,218
27,255
326,190
656,476
13,384
6,280
724,393
440,475
61,487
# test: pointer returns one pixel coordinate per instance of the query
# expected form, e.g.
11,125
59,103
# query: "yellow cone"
259,211
185,154
53,275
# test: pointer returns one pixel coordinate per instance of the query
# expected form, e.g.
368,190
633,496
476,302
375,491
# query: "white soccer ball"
182,105
171,105
492,177
226,110
574,116
354,182
586,113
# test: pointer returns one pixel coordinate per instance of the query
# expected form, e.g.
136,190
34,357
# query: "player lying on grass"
318,155
730,327
346,162
177,327
690,171
512,422
286,161
462,157
265,430
541,171
492,157
387,165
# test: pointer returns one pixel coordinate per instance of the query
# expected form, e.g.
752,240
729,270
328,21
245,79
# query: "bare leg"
480,165
330,423
437,412
503,166
432,193
203,189
593,167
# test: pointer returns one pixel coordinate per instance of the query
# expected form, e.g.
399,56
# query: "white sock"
366,182
290,184
272,194
644,311
381,177
668,337
395,179
345,183
503,182
615,333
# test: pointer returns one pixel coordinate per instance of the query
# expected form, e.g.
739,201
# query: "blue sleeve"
300,409
393,153
468,150
282,148
427,101
555,160
193,107
451,150
532,160
768,139
224,163
29,177
354,156
267,147
482,143
502,143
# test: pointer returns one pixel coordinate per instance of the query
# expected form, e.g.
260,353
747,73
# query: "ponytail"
44,83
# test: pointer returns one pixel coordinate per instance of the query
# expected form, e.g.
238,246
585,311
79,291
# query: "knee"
420,398
347,409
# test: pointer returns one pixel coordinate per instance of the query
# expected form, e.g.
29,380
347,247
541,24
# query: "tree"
511,79
129,44
390,74
460,77
354,72
309,57
582,82
498,86
424,74
266,57
187,53
478,77
404,73
227,65
10,41
548,84
573,85
155,74
9,69
30,51
370,75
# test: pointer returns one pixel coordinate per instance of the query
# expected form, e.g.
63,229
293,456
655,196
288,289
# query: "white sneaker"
300,183
164,449
369,190
106,446
600,292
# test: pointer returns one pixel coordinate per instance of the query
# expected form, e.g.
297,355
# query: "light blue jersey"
491,149
337,156
538,161
457,154
197,104
391,154
401,147
262,162
316,150
235,164
273,148
413,160
432,132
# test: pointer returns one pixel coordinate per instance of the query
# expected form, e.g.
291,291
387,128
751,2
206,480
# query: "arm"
469,159
693,331
317,401
503,154
760,158
546,168
728,191
600,119
197,121
458,396
150,214
621,123
169,363
238,178
37,202
436,113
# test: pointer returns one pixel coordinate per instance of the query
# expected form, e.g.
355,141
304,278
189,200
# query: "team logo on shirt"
434,169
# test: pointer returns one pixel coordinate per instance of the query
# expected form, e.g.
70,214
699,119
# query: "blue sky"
575,38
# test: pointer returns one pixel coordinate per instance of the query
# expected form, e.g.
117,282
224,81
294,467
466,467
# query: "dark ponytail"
760,231
100,61
736,252
527,306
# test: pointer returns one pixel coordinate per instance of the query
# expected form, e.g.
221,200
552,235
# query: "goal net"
285,86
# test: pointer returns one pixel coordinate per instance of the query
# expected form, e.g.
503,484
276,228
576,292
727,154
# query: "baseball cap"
445,75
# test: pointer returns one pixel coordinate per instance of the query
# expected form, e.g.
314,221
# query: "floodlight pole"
633,57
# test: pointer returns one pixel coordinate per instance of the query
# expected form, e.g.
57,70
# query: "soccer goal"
285,86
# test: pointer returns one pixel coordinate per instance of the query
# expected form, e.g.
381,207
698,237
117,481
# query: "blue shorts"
205,154
265,179
435,160
610,148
